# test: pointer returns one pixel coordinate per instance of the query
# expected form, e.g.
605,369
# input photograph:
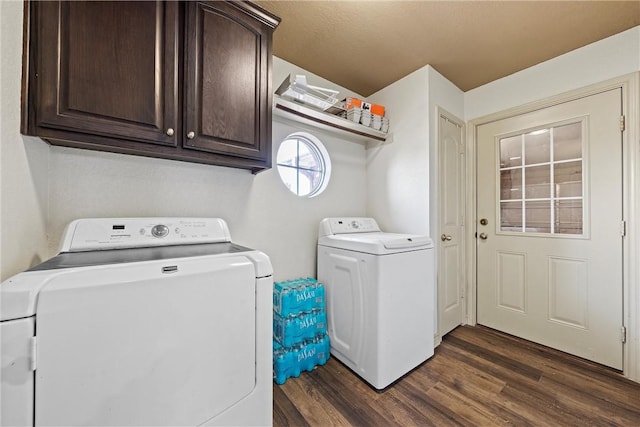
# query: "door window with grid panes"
542,181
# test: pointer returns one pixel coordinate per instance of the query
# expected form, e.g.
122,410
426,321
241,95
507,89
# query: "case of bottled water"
294,329
300,340
295,296
291,361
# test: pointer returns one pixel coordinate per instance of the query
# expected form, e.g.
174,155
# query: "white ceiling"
366,45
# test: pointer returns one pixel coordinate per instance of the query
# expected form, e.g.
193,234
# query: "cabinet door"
228,81
109,69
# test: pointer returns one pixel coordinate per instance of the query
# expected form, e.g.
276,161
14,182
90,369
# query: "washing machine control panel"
117,233
349,225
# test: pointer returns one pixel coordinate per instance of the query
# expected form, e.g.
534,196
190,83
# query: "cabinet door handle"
170,132
191,134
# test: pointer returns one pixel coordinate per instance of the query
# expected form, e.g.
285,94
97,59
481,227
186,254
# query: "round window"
303,164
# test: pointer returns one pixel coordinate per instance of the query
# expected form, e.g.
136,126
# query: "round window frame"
321,153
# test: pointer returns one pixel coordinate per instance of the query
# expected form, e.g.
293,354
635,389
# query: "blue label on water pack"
295,296
293,330
291,361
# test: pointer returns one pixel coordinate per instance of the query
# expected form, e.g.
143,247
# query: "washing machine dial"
355,225
159,231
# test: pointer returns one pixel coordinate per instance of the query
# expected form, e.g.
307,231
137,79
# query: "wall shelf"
349,130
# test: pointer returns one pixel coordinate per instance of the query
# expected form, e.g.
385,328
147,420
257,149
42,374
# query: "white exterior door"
451,277
549,247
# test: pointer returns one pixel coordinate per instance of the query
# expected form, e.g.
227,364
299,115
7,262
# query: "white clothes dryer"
140,321
379,296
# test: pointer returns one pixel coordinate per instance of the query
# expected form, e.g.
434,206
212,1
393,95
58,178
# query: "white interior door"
549,223
451,277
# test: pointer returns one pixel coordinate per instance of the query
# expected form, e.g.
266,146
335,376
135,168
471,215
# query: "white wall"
23,160
605,59
45,187
398,170
401,173
260,211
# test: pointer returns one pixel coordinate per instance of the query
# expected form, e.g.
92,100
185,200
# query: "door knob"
445,237
191,134
483,236
170,132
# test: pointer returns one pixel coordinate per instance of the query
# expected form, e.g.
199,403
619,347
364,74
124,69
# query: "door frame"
630,86
441,112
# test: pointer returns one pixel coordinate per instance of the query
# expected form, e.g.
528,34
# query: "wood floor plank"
584,377
285,412
465,356
464,410
398,411
340,373
351,404
545,411
497,358
413,389
600,411
461,375
477,376
543,396
536,355
480,390
529,410
312,405
620,394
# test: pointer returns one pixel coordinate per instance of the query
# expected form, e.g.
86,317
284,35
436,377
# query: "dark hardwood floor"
478,377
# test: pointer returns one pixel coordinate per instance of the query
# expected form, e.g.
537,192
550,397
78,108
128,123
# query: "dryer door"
169,342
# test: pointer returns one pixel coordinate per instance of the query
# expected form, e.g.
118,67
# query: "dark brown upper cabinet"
227,93
188,81
107,68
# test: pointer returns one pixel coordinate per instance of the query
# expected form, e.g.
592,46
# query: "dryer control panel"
118,233
330,226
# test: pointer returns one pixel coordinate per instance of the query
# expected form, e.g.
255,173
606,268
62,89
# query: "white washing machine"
144,321
379,296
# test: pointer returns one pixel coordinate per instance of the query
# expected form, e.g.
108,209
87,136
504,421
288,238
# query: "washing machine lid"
91,246
377,243
20,293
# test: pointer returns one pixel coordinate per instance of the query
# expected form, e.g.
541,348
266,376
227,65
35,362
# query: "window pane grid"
539,192
301,165
558,162
552,225
317,169
297,165
299,168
